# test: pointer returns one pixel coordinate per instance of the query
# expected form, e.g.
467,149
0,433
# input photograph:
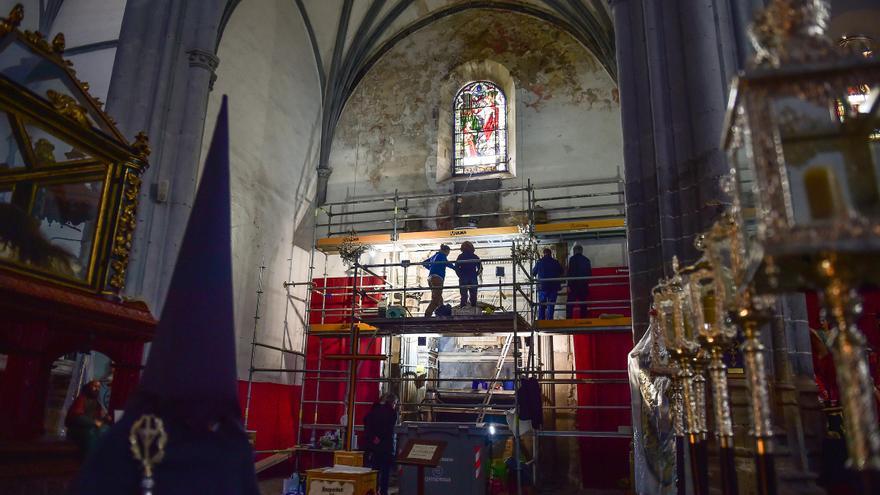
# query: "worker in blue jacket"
547,268
436,266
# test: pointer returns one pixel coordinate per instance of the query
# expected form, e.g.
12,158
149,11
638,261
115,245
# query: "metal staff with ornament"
678,333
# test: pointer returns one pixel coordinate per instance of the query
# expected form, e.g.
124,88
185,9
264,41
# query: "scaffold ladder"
498,367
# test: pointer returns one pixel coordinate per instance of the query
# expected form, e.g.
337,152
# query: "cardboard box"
348,458
322,482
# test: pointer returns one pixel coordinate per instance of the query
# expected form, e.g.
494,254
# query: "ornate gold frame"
111,159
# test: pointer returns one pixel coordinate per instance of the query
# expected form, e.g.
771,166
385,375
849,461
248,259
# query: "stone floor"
273,487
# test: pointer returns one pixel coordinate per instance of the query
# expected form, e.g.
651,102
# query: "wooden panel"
580,226
340,328
331,244
349,458
584,323
356,357
459,233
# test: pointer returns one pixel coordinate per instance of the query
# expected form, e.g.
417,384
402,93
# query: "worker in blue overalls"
547,268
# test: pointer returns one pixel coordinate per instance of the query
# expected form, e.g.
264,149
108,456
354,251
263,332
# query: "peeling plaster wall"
267,69
567,111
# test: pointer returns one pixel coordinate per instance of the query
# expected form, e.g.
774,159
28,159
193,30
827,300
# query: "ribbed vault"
349,36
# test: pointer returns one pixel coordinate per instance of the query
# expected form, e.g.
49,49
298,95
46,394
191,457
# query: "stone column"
675,62
163,73
673,78
796,395
324,174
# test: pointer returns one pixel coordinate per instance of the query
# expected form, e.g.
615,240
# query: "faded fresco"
567,107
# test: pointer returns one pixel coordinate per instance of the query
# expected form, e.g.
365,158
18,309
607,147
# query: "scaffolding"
511,228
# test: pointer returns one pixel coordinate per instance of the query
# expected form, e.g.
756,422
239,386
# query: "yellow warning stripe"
600,223
340,327
622,321
332,243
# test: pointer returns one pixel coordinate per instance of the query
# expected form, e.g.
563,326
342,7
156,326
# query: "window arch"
480,133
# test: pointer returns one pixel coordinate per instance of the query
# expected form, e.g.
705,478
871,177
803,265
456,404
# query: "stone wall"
267,71
567,119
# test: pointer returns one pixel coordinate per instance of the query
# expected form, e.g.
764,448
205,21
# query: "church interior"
501,247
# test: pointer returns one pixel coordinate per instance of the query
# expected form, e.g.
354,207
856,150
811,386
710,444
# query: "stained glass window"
480,129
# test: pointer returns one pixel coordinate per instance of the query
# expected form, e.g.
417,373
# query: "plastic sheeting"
653,432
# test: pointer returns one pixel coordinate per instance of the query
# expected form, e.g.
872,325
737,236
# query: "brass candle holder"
754,312
708,292
684,350
850,362
732,249
661,322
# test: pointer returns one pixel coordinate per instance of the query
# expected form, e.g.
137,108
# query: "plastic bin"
464,467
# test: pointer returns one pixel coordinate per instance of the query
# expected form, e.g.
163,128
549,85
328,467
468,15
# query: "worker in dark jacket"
468,273
578,290
547,268
379,437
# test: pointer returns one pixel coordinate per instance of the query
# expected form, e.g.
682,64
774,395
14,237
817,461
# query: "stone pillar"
673,79
163,73
800,414
323,179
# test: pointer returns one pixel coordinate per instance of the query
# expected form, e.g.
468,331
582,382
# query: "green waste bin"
464,467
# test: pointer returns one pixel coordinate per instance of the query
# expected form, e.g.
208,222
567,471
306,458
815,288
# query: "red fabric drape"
273,414
604,461
336,302
869,324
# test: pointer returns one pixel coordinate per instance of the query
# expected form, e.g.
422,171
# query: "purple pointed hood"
191,368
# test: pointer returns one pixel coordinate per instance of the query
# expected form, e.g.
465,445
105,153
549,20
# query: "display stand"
421,453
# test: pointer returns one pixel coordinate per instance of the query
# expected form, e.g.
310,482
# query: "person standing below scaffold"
468,273
436,266
379,437
578,289
547,268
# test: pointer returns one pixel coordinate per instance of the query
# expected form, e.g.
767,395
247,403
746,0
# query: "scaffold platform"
584,325
470,325
610,225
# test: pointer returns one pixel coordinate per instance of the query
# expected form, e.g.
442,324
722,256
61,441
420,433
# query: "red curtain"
334,296
273,413
605,461
869,324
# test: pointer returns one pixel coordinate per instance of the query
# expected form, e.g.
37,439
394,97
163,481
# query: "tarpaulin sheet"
653,434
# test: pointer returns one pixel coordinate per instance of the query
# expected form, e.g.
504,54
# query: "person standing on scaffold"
468,274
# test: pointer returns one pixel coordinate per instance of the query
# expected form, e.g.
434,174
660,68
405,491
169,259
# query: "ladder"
498,367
